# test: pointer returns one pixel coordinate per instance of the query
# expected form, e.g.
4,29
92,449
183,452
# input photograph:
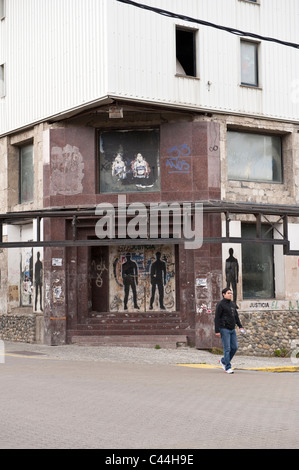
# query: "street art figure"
232,273
119,168
38,281
140,167
158,279
130,279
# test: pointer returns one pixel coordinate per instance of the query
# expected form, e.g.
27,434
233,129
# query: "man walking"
226,318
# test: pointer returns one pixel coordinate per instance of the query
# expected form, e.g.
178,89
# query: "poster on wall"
26,277
129,161
31,279
142,278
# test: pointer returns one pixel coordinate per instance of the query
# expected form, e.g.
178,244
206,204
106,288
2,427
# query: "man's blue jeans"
230,346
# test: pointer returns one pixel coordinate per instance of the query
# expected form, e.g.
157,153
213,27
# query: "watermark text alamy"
157,220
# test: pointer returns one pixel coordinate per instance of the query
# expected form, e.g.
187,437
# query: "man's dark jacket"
226,316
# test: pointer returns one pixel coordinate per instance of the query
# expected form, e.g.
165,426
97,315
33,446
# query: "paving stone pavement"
74,397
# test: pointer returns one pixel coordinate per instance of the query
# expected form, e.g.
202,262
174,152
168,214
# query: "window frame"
257,181
2,9
255,2
23,200
255,85
194,32
266,228
126,131
2,80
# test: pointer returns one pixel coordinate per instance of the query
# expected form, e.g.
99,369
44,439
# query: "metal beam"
77,217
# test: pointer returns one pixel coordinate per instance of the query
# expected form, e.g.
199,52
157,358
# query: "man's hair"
224,291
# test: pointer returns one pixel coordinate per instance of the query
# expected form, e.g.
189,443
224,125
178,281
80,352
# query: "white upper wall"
55,56
61,55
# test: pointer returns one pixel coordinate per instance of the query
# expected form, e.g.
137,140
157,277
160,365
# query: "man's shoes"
221,363
229,371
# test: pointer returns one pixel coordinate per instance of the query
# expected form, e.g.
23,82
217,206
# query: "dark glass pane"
257,265
254,157
26,174
249,63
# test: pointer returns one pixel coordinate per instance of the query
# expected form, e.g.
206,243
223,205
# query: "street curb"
260,369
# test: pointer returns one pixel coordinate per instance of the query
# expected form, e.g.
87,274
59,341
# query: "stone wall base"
268,332
22,327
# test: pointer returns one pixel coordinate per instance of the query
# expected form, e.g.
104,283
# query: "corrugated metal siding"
152,36
61,54
55,51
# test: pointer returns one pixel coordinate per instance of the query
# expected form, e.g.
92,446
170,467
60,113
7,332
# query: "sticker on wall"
142,278
57,292
129,161
13,294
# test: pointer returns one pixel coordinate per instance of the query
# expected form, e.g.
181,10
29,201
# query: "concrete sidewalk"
183,356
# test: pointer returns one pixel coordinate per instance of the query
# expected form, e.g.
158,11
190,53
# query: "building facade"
107,104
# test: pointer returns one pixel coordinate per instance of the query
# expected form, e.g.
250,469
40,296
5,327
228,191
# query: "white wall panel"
55,53
63,54
152,36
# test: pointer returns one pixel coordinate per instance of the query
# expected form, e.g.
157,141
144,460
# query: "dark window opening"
186,52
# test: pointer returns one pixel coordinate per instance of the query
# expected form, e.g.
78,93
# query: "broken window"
186,52
2,9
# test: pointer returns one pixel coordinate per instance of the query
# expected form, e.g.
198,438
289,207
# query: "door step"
141,341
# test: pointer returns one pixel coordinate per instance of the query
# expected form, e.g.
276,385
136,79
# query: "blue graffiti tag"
175,163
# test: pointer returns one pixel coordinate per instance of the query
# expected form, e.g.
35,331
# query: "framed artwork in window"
129,161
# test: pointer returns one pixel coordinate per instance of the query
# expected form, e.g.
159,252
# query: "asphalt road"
47,403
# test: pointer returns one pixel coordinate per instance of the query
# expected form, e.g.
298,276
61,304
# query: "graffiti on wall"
142,278
176,163
67,171
98,269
